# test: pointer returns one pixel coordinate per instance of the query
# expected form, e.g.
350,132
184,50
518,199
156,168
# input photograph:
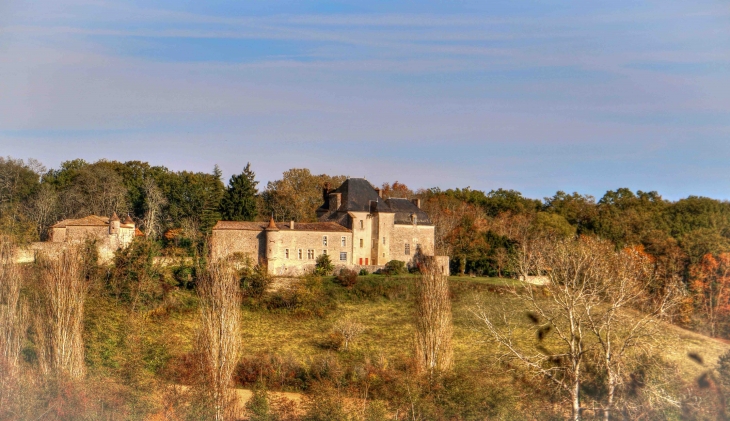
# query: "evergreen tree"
239,202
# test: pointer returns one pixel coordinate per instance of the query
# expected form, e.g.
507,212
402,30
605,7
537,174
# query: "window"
343,241
324,251
361,243
343,256
286,253
361,224
324,240
408,249
383,240
300,254
310,254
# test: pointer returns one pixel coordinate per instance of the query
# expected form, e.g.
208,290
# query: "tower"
273,240
114,224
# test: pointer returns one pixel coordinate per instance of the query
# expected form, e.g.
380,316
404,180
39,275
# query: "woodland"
633,322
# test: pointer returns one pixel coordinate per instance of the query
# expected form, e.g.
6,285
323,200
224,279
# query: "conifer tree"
239,202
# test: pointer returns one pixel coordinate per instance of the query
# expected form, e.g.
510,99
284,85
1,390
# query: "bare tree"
42,208
12,320
154,200
433,321
98,190
59,314
348,329
219,340
616,330
585,304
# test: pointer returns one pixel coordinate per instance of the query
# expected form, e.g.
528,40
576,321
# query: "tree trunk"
462,265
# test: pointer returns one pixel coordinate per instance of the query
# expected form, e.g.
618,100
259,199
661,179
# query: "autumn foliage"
711,287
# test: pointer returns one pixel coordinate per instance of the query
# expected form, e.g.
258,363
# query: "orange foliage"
710,283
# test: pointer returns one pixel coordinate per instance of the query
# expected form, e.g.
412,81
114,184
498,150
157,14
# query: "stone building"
357,228
110,234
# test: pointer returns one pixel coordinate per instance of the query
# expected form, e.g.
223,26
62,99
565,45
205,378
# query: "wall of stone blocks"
413,235
294,240
250,244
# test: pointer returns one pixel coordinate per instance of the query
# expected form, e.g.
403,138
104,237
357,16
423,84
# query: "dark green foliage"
136,279
363,272
239,201
324,265
255,281
257,408
395,267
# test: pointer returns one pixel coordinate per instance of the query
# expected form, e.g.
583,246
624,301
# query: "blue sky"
532,96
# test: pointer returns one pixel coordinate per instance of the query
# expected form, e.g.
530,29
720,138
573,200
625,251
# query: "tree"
218,340
154,200
711,288
433,320
239,201
396,190
42,208
348,330
59,314
95,189
298,194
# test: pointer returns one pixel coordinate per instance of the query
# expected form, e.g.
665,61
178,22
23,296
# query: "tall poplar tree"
239,202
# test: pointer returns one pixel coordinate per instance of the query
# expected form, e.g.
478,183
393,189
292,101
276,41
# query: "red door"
366,261
361,261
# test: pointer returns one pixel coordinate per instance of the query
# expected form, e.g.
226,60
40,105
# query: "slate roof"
283,226
404,208
357,193
91,220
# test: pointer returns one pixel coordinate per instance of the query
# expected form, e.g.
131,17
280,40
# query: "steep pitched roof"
357,194
283,226
404,208
91,220
240,225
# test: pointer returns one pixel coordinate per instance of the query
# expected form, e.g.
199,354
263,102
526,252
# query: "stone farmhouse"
356,227
110,235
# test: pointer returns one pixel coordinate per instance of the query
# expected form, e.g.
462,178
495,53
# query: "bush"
255,281
347,278
324,265
395,267
364,272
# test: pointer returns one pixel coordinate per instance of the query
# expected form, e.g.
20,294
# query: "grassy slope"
389,332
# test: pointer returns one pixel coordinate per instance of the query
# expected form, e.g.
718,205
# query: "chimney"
335,201
417,202
379,192
291,225
326,191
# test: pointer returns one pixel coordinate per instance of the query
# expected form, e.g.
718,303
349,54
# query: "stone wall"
284,250
415,236
251,244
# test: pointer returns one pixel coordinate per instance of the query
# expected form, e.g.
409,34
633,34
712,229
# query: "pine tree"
239,202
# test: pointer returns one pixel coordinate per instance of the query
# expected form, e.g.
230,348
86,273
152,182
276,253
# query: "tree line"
688,240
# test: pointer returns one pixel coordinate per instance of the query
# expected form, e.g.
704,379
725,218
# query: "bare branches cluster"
589,307
433,320
348,329
59,314
13,318
219,341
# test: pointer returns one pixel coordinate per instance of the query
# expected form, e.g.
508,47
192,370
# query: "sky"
535,96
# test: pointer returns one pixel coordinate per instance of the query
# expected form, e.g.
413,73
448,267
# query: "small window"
361,224
343,241
408,249
343,256
286,253
361,243
324,240
324,251
310,254
383,240
300,254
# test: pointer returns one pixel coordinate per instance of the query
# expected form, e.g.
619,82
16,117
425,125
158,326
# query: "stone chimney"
326,191
379,192
291,225
417,202
335,201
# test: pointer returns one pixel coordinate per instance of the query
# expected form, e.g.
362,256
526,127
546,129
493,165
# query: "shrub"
324,265
347,330
395,267
255,281
364,272
347,278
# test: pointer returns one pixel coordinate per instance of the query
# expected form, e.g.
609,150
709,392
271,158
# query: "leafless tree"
154,200
96,190
13,316
433,321
348,329
59,314
529,242
586,304
219,341
42,208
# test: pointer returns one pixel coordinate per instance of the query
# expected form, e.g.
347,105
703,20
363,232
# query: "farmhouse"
356,227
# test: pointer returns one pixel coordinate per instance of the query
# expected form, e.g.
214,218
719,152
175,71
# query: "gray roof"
404,208
357,193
